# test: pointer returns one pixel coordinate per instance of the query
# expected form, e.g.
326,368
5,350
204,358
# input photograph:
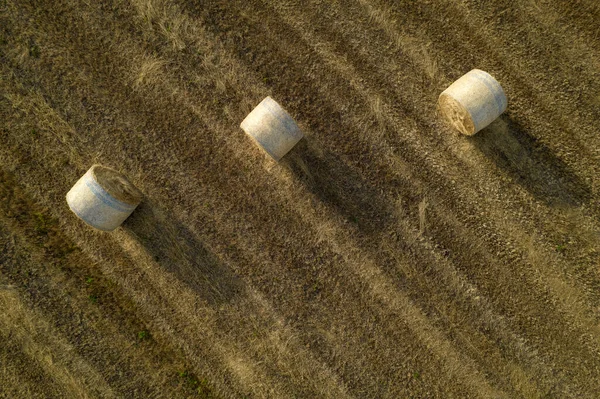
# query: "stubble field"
386,256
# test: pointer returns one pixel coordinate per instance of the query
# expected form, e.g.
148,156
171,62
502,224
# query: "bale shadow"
331,180
531,164
176,249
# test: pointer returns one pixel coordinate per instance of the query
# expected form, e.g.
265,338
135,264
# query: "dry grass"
384,257
422,215
44,346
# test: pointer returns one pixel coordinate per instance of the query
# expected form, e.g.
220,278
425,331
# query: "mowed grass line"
138,289
565,125
552,279
17,383
322,41
315,40
258,378
586,215
39,341
99,324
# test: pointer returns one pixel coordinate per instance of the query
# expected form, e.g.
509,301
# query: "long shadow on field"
175,248
531,164
337,185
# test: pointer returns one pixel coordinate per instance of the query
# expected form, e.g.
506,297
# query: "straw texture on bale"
272,128
473,102
103,198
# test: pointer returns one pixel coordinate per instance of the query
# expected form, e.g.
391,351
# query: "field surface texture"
385,256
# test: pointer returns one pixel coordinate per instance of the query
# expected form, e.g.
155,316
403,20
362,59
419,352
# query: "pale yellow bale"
272,128
103,198
473,102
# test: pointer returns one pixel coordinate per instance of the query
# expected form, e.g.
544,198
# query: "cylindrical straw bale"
103,198
272,128
473,101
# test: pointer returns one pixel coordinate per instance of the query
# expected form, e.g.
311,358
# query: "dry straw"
272,128
473,102
103,198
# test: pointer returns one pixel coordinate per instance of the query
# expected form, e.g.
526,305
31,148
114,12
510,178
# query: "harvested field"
385,256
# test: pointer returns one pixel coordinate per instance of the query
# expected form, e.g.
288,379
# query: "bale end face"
116,184
456,114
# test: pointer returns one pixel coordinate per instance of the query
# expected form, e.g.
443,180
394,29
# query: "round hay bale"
272,128
473,101
103,198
